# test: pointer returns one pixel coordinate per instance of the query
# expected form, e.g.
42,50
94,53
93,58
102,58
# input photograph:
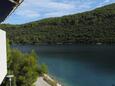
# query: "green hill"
88,27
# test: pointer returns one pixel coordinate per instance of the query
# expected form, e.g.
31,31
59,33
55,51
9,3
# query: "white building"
3,55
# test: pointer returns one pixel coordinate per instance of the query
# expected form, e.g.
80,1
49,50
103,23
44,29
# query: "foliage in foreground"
43,69
24,67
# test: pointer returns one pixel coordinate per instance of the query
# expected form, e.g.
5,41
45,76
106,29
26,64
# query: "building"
7,7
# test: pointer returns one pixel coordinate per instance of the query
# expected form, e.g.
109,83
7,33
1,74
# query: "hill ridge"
96,26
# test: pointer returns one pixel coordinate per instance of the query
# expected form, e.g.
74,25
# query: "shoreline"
98,44
40,82
46,80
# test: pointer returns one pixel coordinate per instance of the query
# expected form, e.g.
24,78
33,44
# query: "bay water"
77,65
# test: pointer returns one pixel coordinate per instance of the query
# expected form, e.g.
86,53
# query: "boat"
99,43
7,7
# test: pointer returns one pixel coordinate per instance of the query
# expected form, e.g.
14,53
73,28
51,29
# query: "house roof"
6,7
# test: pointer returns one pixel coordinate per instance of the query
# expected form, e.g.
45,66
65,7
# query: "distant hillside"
87,27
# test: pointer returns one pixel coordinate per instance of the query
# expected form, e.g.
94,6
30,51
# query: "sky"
33,10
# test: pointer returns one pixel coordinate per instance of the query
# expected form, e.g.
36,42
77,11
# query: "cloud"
48,8
104,2
56,14
37,8
28,14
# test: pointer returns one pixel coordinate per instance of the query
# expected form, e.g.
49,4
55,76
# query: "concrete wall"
3,55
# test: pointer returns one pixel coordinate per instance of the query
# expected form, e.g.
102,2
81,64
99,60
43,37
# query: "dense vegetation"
24,67
88,27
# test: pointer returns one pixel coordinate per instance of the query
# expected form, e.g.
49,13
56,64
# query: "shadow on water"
101,57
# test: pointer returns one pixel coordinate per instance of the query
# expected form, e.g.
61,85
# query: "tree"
24,67
43,69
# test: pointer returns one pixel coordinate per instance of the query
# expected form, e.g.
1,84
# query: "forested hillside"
88,27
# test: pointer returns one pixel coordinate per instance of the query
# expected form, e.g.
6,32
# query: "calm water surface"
77,65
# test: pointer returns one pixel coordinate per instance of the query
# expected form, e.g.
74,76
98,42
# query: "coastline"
46,80
40,82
